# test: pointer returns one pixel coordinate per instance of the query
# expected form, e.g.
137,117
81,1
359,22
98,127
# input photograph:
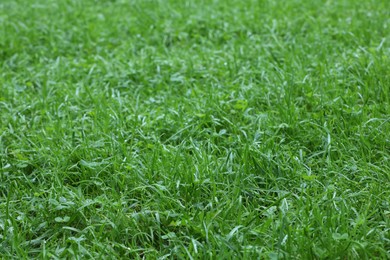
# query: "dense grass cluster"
195,129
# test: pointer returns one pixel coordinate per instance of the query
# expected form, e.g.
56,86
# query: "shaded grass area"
194,129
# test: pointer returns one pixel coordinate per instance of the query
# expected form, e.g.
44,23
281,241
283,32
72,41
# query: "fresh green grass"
195,129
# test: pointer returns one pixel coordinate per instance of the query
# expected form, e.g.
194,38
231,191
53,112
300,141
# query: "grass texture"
211,129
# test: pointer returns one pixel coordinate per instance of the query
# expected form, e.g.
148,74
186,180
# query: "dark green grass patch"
194,129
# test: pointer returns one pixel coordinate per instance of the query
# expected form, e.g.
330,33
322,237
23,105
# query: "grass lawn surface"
183,129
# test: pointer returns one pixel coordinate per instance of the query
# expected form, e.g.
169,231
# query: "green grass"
195,129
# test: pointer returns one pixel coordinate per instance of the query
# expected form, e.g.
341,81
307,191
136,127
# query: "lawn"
183,129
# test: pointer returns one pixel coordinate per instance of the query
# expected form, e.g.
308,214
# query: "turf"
195,129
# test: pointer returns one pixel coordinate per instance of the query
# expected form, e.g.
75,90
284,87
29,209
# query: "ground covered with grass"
195,129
